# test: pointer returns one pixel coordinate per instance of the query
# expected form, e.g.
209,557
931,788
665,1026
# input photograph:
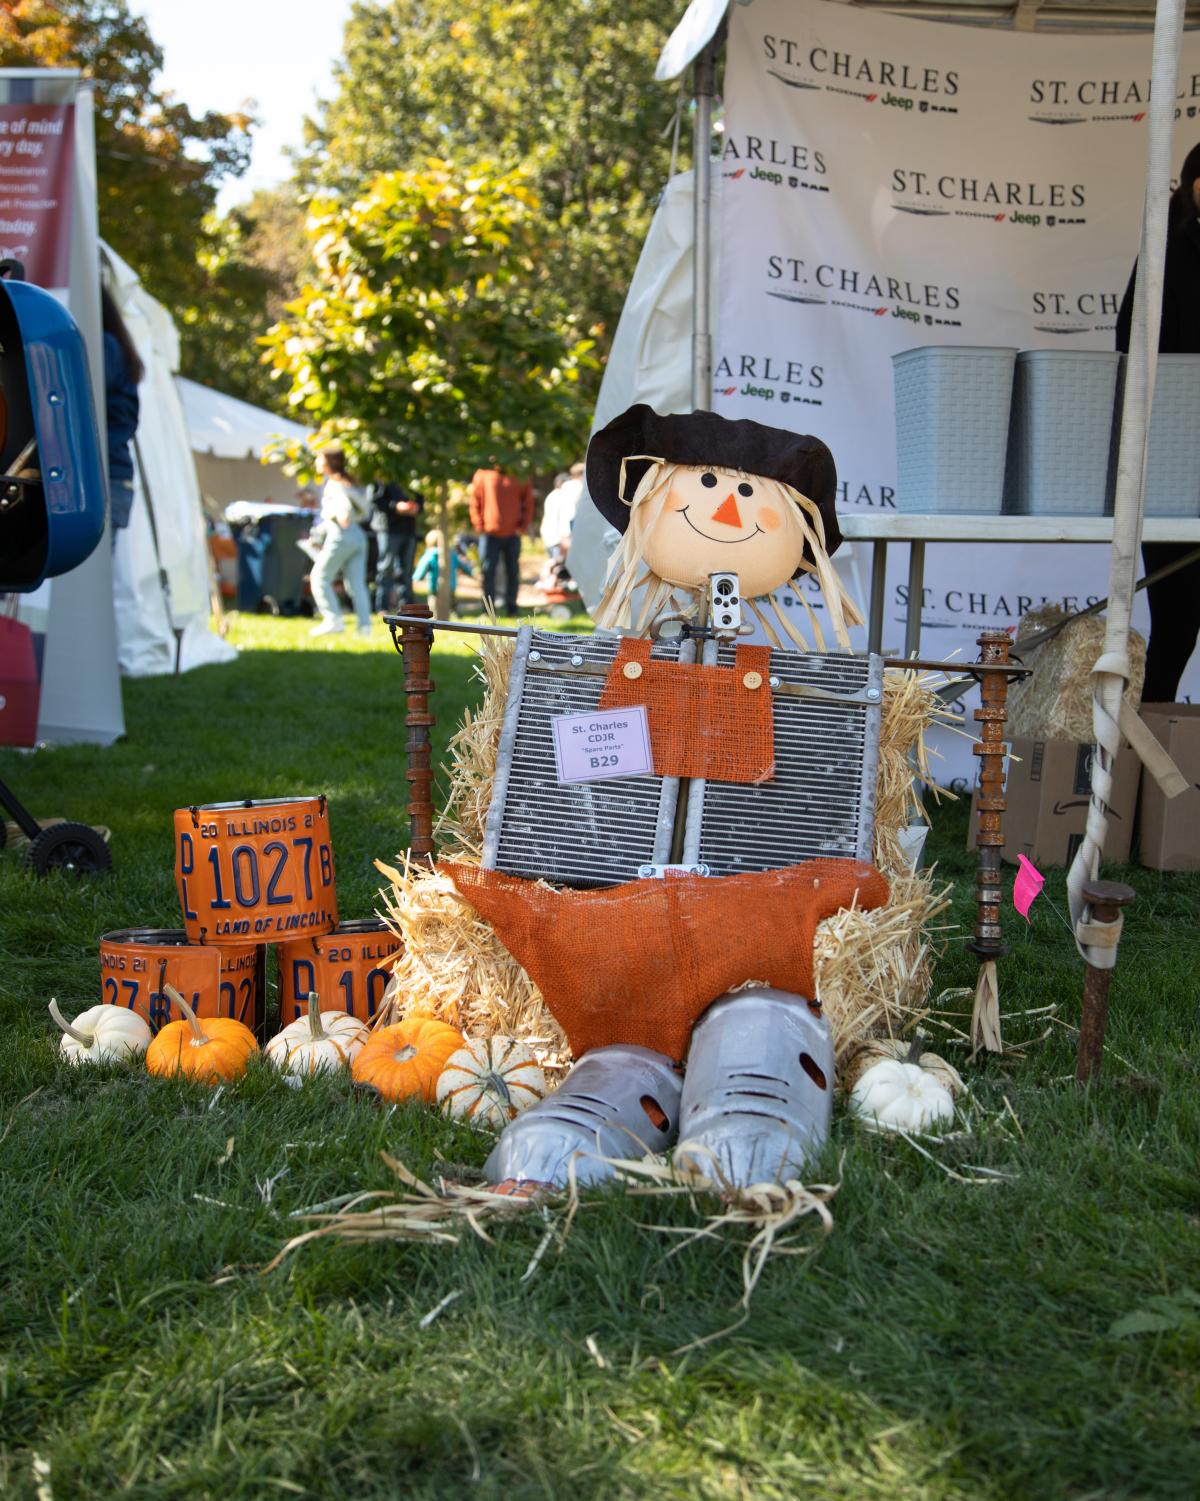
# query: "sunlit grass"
947,1343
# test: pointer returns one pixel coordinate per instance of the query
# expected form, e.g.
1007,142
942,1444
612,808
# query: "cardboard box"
1170,831
1047,792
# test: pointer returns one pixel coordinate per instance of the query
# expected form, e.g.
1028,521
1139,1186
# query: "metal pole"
413,639
916,598
976,670
703,77
1111,670
878,600
1105,900
988,944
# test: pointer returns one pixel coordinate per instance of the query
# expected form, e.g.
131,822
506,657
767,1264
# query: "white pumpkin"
490,1081
901,1096
320,1040
875,1049
102,1034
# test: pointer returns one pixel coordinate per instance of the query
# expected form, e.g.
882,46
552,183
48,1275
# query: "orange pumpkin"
404,1061
209,1048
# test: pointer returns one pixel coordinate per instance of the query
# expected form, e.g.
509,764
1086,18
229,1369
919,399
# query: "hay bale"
910,707
1055,701
454,967
872,968
472,749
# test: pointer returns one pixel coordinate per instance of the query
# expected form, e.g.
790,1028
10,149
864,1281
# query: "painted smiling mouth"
724,541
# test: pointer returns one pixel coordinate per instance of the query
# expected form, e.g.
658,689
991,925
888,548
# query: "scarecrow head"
696,494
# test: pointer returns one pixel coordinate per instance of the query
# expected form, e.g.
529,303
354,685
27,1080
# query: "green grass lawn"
948,1340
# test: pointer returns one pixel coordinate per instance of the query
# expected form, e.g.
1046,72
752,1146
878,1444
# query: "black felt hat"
706,438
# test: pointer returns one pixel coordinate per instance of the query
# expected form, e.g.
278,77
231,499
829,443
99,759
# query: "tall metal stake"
412,640
989,839
1103,925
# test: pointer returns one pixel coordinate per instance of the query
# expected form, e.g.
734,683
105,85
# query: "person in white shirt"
558,518
344,512
558,513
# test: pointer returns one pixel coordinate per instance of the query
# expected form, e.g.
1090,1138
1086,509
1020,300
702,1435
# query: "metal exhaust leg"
758,1093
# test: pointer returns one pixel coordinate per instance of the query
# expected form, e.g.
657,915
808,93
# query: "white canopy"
160,560
228,428
700,21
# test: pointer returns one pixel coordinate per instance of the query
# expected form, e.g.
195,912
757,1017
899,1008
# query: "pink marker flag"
1027,886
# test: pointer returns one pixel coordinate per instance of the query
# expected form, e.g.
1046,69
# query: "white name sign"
606,743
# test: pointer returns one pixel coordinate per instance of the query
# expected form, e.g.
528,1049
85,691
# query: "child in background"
429,568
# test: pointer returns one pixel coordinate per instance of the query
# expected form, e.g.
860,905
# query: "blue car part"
52,486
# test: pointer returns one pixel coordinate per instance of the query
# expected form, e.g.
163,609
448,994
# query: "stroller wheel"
559,612
72,847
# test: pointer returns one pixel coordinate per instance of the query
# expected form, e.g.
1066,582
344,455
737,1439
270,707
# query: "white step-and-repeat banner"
889,183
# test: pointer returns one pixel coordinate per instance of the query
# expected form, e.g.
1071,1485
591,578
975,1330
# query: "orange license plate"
345,968
255,872
136,964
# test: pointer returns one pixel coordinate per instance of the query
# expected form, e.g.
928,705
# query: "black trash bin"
272,569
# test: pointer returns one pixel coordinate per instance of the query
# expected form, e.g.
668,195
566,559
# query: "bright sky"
278,53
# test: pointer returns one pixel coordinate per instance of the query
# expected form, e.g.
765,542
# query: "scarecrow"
696,494
683,967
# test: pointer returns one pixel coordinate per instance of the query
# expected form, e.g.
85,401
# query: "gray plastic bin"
952,412
1173,457
1061,432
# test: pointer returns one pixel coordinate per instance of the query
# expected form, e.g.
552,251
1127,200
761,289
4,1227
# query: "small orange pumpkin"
209,1048
405,1060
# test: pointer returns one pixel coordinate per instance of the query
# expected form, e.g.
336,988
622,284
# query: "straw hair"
804,532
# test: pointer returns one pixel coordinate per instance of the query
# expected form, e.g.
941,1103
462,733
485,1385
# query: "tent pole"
703,84
1097,936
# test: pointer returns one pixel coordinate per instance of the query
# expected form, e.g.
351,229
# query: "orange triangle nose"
727,512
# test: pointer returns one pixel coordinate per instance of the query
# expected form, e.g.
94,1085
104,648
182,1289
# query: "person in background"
394,516
501,511
1174,601
429,569
123,369
344,511
467,548
558,518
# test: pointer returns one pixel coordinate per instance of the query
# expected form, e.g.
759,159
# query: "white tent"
696,39
228,439
161,592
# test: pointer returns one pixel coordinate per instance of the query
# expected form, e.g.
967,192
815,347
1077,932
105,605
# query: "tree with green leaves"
431,341
159,170
566,86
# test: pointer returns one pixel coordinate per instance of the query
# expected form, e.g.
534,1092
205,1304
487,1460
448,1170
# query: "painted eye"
708,480
745,489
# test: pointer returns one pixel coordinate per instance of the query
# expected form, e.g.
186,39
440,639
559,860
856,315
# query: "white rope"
1112,669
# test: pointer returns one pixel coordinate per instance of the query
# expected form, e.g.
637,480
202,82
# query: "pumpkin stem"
314,1017
199,1040
495,1082
85,1038
916,1048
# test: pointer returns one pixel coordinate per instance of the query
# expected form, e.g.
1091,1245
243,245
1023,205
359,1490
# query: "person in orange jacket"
501,511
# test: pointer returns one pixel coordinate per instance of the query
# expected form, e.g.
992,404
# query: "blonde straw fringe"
762,1218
